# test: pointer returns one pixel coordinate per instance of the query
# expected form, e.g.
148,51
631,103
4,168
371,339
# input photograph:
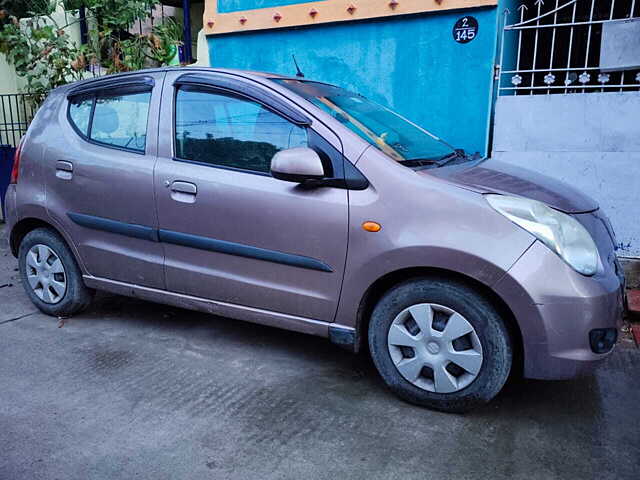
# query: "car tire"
458,390
59,267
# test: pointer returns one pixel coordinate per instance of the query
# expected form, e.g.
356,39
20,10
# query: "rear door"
99,177
231,231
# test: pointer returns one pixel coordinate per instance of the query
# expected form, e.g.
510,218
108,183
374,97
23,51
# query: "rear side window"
80,113
117,120
228,131
121,120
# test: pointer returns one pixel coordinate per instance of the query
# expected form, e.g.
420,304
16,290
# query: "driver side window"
229,131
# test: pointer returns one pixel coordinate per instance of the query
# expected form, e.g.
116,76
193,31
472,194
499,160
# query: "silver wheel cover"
45,274
435,348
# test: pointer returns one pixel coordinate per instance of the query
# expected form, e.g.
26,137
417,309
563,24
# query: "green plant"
114,48
114,14
45,55
28,8
38,47
165,37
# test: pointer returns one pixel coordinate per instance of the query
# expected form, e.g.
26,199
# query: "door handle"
184,192
184,187
64,170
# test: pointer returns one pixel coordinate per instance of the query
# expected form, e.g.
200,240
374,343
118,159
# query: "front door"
231,232
99,176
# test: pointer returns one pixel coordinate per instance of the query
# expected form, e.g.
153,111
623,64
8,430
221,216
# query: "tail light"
16,164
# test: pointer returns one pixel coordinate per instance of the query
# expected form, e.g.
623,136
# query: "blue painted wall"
225,6
410,63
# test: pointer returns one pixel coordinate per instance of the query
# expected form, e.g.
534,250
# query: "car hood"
494,176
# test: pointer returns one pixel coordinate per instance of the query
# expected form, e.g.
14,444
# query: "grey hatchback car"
302,205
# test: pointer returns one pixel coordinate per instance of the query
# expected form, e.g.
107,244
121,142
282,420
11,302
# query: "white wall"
8,78
591,141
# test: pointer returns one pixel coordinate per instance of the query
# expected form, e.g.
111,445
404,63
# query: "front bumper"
556,309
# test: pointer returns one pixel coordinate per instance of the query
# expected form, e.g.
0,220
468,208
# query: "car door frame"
256,91
106,238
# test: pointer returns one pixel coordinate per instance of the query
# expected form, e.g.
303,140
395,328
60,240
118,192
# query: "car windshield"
396,136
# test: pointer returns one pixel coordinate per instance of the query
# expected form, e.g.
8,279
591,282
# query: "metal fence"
16,112
559,46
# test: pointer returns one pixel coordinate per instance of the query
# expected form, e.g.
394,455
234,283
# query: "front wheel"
438,343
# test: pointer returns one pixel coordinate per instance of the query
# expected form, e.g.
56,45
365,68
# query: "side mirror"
297,165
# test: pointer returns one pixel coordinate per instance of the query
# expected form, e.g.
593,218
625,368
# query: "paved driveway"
135,390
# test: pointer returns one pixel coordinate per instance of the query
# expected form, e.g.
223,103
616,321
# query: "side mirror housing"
297,165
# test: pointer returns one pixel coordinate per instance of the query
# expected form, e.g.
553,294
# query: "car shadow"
579,397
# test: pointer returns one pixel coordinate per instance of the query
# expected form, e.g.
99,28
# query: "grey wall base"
591,141
631,267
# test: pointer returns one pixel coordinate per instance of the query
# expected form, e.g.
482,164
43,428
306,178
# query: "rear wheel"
438,343
50,275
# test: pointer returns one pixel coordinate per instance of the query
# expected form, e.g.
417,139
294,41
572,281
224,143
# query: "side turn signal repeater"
371,226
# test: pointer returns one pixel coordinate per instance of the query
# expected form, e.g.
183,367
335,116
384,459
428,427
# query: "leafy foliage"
39,48
28,8
44,54
116,50
114,14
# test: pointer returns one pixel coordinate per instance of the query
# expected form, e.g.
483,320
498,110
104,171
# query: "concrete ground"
135,390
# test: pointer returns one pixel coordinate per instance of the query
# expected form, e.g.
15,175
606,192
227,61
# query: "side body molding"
195,241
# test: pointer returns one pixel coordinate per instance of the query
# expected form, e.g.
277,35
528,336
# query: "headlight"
560,232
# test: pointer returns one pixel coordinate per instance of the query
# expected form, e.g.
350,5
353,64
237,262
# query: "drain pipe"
186,30
84,30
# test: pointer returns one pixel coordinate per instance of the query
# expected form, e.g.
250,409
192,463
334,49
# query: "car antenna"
298,72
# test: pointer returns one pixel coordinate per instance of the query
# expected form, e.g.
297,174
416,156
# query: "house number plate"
465,30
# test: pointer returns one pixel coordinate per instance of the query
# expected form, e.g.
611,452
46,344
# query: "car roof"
187,69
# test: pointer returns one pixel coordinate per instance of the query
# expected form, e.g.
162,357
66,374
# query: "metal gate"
569,99
16,112
570,46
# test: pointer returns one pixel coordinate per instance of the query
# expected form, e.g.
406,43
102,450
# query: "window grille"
570,46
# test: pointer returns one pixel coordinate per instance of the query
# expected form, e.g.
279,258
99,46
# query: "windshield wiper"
419,162
437,162
456,154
